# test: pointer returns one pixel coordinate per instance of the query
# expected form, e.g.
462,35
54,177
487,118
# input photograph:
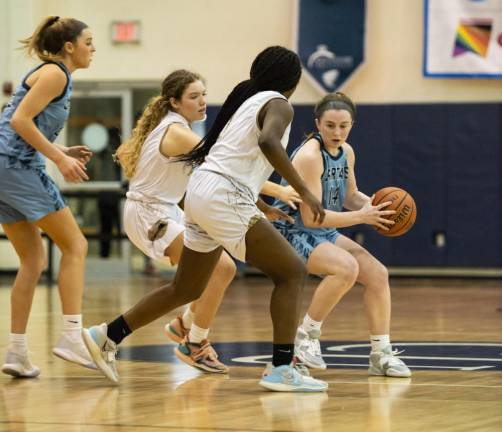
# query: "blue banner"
330,40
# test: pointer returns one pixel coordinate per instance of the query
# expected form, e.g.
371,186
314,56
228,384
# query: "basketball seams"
405,200
386,195
409,222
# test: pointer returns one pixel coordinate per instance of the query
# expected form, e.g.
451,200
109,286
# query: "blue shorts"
27,194
304,242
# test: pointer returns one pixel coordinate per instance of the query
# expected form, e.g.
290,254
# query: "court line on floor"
386,382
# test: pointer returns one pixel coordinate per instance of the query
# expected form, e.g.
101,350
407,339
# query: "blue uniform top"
334,188
49,121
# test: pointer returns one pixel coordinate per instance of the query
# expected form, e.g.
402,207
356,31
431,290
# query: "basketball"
404,205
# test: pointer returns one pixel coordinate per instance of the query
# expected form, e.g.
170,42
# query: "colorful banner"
463,38
330,40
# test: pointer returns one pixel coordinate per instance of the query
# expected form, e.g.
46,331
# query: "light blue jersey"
49,121
334,189
27,193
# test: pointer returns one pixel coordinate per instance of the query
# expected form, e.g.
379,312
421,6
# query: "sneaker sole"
389,374
278,387
95,352
187,360
77,360
16,373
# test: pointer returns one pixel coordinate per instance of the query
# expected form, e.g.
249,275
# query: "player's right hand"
73,170
374,215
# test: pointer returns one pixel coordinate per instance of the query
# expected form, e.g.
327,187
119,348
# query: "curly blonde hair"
173,86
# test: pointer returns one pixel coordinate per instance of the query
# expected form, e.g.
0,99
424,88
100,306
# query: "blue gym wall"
449,157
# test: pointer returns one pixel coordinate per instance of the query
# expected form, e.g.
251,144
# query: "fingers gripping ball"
404,205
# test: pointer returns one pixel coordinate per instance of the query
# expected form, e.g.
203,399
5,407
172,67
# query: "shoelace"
393,359
110,350
302,369
315,346
206,351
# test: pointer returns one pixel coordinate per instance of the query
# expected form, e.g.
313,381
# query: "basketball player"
153,220
222,210
29,198
326,163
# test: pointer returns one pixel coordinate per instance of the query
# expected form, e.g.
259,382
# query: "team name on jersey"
337,173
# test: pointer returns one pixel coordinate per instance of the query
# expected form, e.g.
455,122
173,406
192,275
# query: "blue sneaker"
102,349
286,378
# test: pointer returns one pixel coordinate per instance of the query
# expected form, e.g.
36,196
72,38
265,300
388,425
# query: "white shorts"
218,212
141,217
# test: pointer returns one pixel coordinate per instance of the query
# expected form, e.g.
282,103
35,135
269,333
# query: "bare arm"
49,84
178,140
309,165
354,199
275,118
285,194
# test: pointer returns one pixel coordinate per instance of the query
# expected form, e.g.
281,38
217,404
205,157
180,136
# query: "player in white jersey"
153,219
223,211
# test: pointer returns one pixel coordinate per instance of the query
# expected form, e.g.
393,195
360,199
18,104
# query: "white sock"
187,318
309,324
379,342
19,343
197,334
72,326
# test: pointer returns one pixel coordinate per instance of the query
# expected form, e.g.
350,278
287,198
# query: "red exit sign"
126,31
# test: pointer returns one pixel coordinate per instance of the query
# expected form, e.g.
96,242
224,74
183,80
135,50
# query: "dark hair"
173,86
337,101
48,39
275,68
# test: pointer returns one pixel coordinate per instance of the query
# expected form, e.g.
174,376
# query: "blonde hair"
48,39
173,86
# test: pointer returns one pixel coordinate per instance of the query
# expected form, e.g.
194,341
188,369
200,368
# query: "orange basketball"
404,205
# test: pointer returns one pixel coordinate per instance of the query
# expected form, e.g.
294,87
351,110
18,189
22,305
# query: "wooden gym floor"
451,331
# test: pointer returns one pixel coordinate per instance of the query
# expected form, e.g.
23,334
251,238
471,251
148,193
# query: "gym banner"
463,38
330,40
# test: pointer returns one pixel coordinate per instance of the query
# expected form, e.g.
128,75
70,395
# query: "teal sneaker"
102,349
287,378
201,356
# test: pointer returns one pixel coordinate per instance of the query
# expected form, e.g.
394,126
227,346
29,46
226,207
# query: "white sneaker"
73,350
102,349
19,366
386,363
308,348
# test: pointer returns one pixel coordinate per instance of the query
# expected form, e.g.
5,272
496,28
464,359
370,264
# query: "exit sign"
126,31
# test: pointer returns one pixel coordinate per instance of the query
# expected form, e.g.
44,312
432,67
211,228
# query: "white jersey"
236,153
159,179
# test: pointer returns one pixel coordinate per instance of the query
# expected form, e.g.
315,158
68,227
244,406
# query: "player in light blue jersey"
30,201
326,163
